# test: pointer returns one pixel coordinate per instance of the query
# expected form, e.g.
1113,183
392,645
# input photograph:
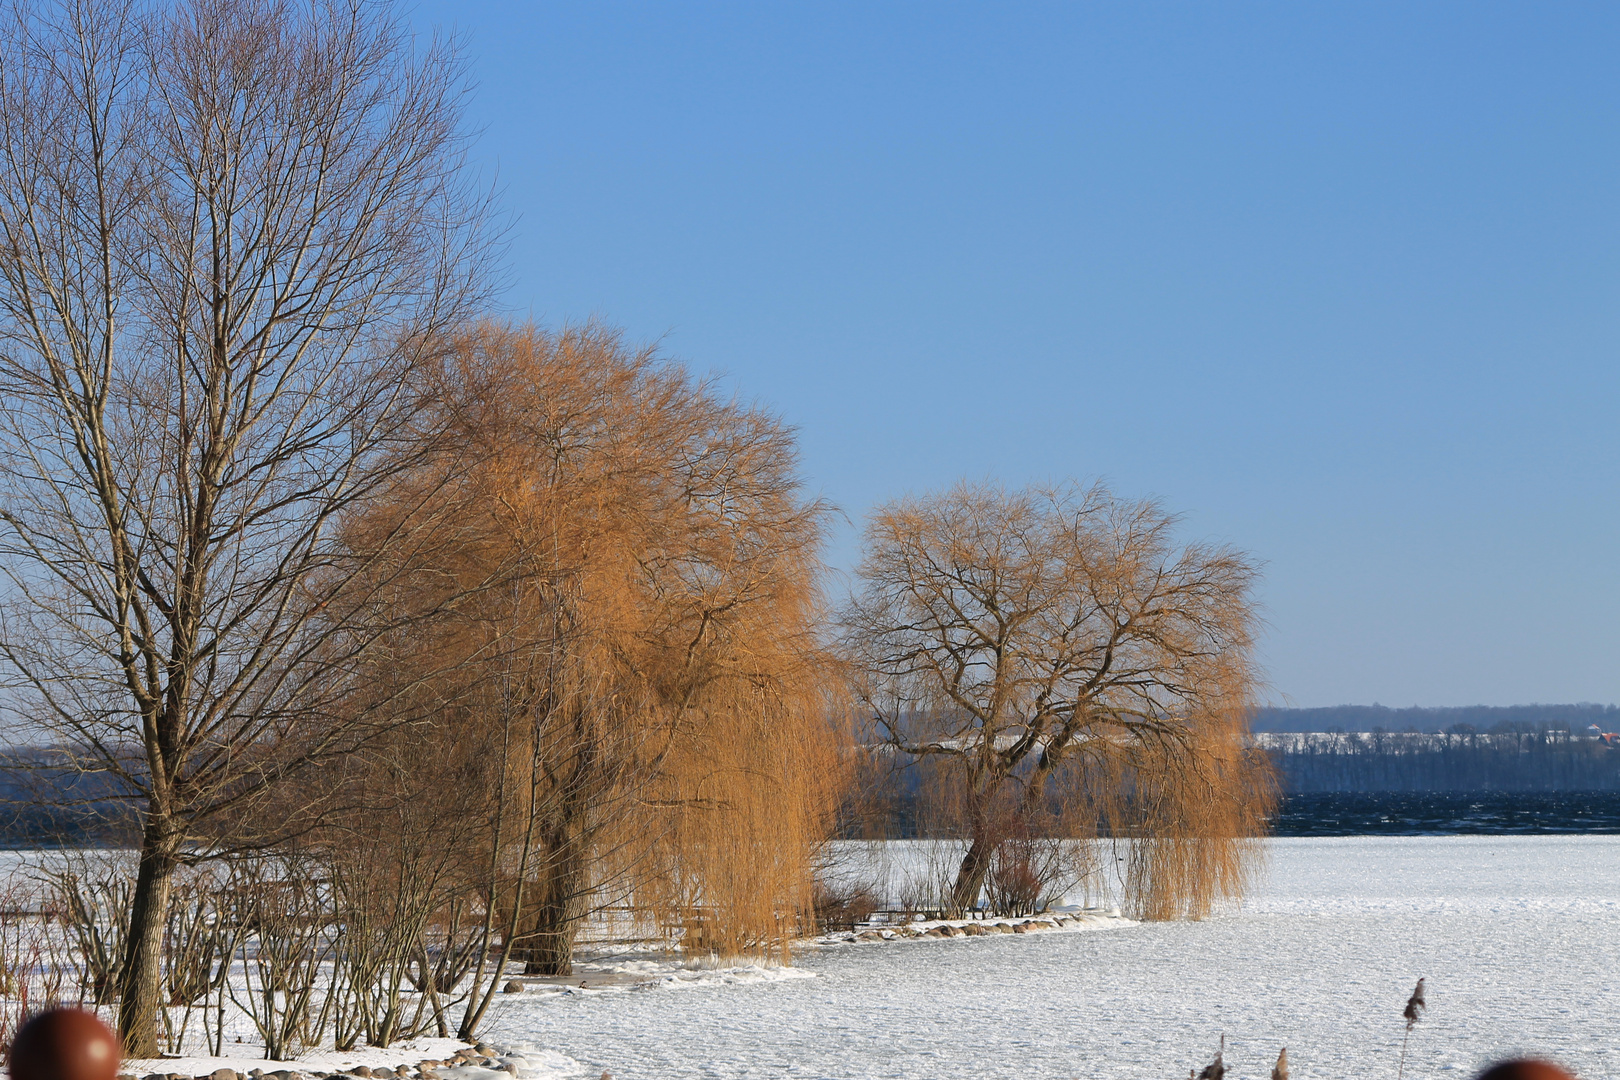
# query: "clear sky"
1338,282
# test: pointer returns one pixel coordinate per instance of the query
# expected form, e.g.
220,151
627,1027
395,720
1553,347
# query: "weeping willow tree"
1061,667
643,661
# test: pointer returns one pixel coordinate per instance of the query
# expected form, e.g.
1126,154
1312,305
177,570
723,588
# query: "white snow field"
1519,938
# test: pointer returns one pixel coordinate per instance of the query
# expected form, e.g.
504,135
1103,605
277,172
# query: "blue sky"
1338,282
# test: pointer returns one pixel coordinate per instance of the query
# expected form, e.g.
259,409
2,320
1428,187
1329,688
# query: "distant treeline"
1547,760
1524,748
1464,718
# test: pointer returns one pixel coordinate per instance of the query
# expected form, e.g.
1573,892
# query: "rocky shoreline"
938,929
482,1056
480,1061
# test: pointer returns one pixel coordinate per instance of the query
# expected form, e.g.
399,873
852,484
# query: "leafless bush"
31,963
282,948
200,939
450,946
1030,873
380,947
926,888
842,907
94,906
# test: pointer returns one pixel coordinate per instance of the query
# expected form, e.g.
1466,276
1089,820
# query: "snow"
1517,936
527,1061
613,975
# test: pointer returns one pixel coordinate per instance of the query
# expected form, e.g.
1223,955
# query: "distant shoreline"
1447,813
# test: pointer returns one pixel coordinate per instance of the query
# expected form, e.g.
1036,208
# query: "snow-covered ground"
1519,938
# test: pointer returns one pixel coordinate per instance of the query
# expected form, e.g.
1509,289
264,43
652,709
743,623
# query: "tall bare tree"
232,232
1063,659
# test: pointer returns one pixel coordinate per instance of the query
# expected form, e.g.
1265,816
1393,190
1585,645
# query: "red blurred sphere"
1525,1069
64,1044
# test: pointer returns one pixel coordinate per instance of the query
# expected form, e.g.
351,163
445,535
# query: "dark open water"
1436,813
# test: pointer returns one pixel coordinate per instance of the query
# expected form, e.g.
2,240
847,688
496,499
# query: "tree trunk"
141,979
548,948
552,950
971,874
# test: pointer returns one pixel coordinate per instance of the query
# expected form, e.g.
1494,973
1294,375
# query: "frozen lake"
1519,938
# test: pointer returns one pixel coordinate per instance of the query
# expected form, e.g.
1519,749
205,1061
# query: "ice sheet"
1519,938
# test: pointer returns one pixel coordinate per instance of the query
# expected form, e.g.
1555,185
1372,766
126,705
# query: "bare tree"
1062,661
232,233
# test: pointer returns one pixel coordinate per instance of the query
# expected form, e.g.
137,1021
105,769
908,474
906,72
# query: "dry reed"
1412,1013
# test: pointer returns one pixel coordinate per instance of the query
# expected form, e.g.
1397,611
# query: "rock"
486,1049
935,933
224,1074
156,1076
1020,928
972,930
382,1073
513,987
255,1073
